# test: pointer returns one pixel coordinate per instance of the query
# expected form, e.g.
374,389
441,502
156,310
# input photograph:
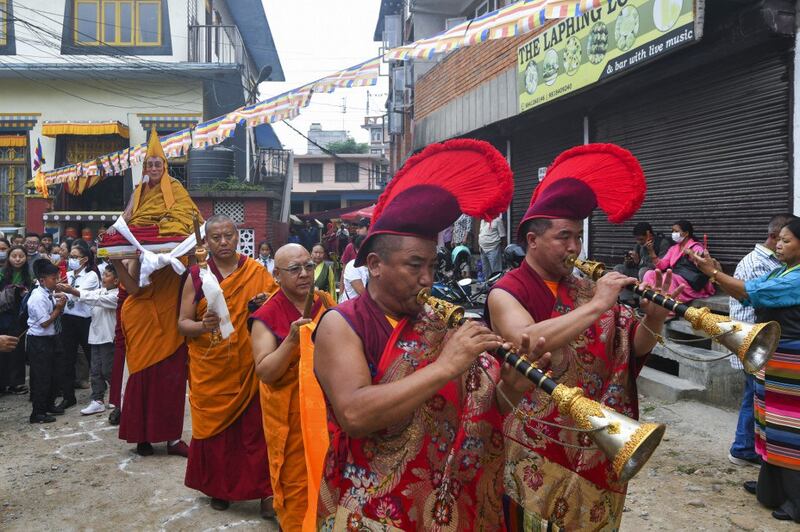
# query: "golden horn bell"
752,343
627,443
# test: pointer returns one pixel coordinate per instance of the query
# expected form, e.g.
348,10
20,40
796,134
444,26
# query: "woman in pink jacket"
684,273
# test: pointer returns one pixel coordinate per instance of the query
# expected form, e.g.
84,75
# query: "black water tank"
207,166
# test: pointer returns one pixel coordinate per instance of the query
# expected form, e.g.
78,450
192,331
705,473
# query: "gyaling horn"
752,343
627,443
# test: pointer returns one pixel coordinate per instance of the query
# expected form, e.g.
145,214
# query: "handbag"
690,273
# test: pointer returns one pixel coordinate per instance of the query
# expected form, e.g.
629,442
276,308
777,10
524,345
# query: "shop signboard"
577,52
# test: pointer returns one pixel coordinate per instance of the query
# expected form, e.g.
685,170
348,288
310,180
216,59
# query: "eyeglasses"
295,270
157,164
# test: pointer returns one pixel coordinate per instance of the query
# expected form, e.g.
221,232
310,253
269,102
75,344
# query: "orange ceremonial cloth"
166,205
150,321
313,421
222,377
282,409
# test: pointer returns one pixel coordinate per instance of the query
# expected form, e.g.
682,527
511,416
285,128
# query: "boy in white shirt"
103,304
43,344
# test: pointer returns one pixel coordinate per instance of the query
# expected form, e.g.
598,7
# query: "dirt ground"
75,474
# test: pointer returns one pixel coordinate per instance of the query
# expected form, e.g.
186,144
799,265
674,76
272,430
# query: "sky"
316,38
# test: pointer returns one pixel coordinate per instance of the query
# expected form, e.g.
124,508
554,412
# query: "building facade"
88,77
324,182
706,102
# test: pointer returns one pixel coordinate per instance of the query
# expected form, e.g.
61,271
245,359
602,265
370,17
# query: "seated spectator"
685,274
648,250
103,304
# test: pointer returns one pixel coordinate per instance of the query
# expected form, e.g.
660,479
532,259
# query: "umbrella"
354,216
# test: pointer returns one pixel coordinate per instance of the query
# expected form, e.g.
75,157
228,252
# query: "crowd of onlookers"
58,310
57,303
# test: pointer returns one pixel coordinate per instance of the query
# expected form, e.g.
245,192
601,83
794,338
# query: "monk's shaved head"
219,219
291,253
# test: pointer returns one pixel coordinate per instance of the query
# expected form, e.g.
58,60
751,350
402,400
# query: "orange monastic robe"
168,206
281,410
149,319
222,378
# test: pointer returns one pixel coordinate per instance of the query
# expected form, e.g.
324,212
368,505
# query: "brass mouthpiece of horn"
752,343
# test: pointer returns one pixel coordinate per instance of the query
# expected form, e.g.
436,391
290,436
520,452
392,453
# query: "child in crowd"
103,304
43,344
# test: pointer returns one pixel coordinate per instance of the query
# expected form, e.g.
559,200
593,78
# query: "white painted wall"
51,17
364,162
24,96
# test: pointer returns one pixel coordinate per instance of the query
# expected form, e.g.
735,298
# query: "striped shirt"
755,264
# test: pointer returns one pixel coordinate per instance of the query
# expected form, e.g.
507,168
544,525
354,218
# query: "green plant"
230,184
348,146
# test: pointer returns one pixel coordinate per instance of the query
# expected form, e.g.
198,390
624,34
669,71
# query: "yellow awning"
13,141
52,129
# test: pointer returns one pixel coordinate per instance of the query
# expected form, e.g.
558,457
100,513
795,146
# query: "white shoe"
95,407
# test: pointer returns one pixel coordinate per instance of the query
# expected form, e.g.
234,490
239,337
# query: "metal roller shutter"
715,147
536,147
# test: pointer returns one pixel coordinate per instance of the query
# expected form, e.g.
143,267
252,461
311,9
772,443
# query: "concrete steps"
654,383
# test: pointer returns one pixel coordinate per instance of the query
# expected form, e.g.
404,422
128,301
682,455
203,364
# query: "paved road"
76,474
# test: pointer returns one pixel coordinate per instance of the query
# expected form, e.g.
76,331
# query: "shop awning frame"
53,129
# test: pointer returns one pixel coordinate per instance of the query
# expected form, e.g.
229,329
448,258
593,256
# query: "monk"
416,427
598,345
154,397
227,454
276,349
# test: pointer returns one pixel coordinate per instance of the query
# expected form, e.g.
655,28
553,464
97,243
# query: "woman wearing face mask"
4,247
694,283
265,254
77,317
15,282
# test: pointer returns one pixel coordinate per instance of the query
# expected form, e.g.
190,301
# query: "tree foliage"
348,146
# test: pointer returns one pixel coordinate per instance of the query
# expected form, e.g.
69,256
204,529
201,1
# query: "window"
117,22
3,22
377,135
311,173
13,175
346,173
485,7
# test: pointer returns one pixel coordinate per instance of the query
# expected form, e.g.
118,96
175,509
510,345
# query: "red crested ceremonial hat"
436,186
586,177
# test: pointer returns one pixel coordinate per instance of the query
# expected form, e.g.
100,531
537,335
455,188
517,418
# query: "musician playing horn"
417,441
596,343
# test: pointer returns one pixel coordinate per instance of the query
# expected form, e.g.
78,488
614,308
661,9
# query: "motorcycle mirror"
465,282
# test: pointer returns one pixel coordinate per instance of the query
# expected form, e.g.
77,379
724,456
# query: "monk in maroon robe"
596,345
415,427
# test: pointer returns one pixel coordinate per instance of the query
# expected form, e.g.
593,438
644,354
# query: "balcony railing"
216,44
